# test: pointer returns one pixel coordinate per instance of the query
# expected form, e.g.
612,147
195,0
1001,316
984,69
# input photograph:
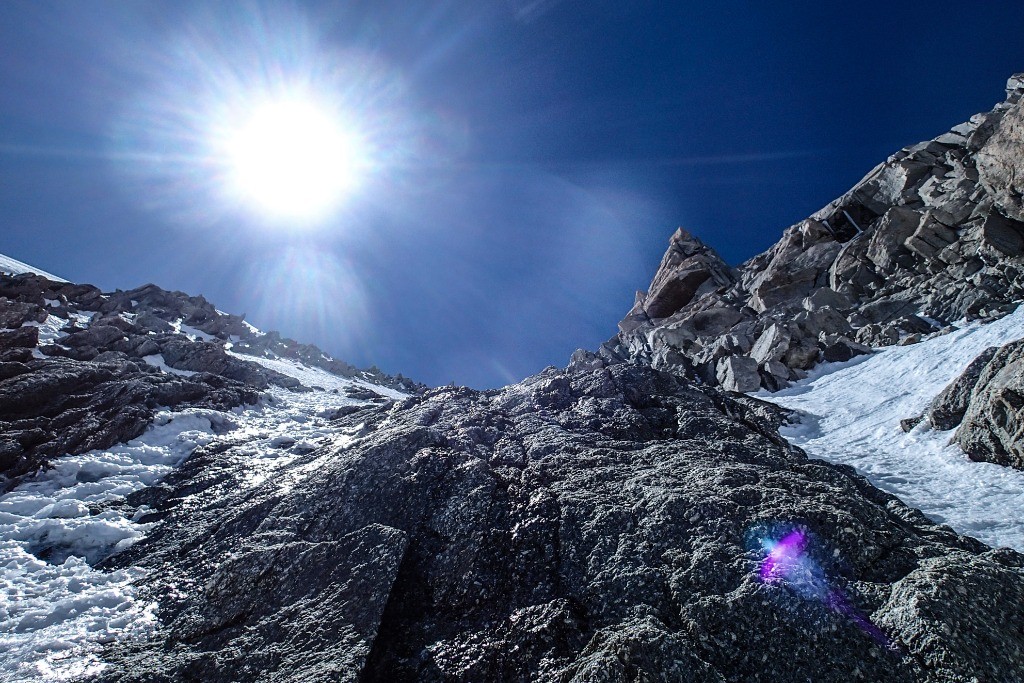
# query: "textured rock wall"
986,405
605,524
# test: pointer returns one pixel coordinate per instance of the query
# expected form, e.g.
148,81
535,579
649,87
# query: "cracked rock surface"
584,525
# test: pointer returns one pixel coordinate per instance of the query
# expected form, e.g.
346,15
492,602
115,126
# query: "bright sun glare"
292,160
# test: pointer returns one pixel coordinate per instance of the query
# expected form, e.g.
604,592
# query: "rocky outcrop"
993,424
688,269
933,235
594,524
985,404
81,370
949,407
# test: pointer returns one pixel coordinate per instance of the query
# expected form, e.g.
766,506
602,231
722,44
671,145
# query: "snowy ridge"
850,413
16,267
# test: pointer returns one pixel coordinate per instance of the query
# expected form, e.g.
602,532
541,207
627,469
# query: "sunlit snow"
56,610
851,414
16,267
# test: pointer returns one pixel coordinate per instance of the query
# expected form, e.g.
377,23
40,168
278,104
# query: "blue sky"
535,155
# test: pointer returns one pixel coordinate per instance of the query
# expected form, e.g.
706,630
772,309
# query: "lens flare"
788,562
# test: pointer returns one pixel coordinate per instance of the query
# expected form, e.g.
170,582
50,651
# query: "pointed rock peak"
689,244
1015,87
687,266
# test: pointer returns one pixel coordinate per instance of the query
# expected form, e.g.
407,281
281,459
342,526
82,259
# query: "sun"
292,160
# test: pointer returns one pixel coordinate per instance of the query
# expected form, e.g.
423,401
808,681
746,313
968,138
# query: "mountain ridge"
932,235
192,500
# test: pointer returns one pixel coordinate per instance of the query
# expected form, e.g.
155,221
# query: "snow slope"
850,413
15,267
56,609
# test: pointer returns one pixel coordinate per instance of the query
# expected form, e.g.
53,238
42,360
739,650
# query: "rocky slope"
583,525
933,235
281,516
612,523
80,369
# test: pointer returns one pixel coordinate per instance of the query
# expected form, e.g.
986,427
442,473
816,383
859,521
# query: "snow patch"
15,267
56,614
851,412
50,330
157,361
313,377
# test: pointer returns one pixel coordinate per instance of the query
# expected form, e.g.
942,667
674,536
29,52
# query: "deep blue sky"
544,152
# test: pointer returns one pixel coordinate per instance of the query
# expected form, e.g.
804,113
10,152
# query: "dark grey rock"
590,525
948,408
837,348
738,373
994,419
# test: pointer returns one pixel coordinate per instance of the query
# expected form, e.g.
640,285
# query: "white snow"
313,377
50,330
157,361
191,332
15,267
55,615
851,413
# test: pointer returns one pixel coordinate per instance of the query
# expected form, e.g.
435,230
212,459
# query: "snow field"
56,615
850,413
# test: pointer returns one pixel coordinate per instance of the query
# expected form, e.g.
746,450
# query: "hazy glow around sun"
291,159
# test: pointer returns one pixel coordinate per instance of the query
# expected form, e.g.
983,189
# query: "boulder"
826,297
803,356
791,269
890,183
738,373
993,424
21,338
94,336
772,343
837,348
930,237
1003,234
947,410
14,314
887,242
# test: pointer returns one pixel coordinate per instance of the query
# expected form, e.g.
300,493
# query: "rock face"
688,268
604,524
933,235
80,369
993,424
986,403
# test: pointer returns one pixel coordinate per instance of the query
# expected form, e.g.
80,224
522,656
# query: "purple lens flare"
787,561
